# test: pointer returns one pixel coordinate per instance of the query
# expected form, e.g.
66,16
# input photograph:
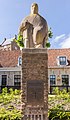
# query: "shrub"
56,91
13,114
58,113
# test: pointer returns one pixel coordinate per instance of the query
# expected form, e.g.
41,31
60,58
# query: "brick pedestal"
34,84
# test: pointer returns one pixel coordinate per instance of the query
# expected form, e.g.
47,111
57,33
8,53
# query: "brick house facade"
58,67
10,69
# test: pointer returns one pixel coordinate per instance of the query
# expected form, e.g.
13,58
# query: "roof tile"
54,53
9,58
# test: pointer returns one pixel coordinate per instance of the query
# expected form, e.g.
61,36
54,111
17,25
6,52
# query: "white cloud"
61,41
65,43
57,38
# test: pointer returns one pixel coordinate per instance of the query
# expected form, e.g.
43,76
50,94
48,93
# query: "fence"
8,87
60,88
51,88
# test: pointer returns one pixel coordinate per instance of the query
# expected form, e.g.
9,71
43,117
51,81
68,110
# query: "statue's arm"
25,25
22,26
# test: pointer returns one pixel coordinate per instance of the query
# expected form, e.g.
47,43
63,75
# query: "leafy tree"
50,35
19,40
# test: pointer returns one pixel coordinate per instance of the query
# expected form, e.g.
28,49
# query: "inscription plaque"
35,92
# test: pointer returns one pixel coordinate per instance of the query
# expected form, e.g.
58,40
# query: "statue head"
34,8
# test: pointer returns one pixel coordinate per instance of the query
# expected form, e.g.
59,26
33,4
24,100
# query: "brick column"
34,84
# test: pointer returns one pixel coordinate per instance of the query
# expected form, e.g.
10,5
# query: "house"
9,44
10,69
58,67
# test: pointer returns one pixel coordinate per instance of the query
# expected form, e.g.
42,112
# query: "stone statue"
34,29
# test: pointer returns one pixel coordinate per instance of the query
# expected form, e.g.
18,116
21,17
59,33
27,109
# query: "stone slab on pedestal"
34,84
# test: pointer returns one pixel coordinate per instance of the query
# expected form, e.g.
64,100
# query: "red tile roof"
9,58
54,53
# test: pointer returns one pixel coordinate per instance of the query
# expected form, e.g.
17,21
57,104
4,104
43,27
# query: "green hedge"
58,113
10,114
16,115
8,110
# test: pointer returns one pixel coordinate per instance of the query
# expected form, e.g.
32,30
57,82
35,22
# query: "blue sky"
56,13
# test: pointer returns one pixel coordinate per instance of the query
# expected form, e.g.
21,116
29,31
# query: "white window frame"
14,79
19,60
65,77
52,78
58,60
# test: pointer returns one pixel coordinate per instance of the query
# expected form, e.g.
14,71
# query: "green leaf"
20,41
48,44
50,33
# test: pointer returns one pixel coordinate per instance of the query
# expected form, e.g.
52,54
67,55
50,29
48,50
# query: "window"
4,80
19,60
65,79
52,79
17,80
62,60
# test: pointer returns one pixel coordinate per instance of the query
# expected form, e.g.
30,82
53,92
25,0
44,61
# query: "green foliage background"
10,105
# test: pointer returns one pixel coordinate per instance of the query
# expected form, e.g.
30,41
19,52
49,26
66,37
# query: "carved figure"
34,29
